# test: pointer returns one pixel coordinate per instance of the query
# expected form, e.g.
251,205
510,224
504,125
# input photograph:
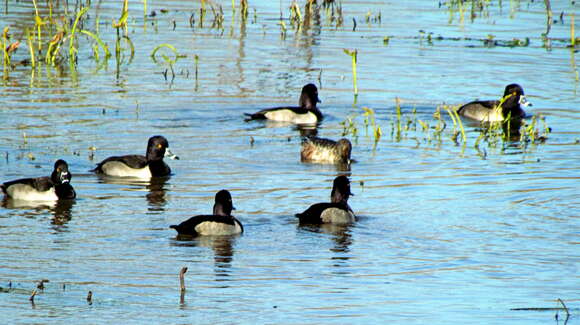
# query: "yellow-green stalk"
572,34
353,54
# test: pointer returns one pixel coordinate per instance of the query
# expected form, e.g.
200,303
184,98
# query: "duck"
221,222
138,166
322,150
336,212
305,113
53,188
488,111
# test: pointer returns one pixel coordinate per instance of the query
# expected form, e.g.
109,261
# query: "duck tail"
254,116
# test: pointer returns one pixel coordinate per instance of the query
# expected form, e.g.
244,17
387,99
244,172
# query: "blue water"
447,232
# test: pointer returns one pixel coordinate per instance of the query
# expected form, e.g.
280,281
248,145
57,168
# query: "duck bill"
524,102
170,155
64,177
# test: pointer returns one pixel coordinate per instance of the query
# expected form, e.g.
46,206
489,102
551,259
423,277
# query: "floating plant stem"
123,20
30,48
460,123
283,29
398,110
144,8
6,59
72,49
39,23
32,296
369,115
100,42
196,60
353,54
549,17
170,62
572,32
295,14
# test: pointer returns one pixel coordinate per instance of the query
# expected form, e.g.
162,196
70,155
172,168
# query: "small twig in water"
182,284
32,296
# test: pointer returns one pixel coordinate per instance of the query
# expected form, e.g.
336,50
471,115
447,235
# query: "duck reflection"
156,196
223,249
62,214
60,209
156,187
342,240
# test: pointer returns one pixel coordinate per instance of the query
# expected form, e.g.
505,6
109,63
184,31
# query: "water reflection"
223,249
62,214
156,187
156,196
61,209
341,237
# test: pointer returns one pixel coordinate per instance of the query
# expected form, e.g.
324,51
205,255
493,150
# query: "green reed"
353,54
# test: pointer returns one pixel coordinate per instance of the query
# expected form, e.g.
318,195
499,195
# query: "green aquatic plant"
399,114
244,9
353,54
72,49
38,23
369,119
30,48
167,59
295,13
457,123
7,50
572,31
102,45
349,127
282,29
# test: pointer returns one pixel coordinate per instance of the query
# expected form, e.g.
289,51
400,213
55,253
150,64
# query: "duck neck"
221,210
159,167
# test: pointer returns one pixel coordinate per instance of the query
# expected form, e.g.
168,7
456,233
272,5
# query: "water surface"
447,233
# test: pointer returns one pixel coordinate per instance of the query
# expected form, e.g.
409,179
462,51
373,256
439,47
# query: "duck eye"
159,146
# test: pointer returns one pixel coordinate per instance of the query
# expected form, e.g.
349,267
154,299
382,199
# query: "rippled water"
448,233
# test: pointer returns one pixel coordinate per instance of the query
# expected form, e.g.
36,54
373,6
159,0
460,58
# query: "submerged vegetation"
405,126
57,36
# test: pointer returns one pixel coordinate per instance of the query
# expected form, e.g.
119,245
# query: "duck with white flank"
305,113
337,211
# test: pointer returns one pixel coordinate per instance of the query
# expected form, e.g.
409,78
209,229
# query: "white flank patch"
217,228
484,114
322,154
336,215
286,115
29,193
119,169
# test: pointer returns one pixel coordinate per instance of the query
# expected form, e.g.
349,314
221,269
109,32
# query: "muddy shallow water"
447,232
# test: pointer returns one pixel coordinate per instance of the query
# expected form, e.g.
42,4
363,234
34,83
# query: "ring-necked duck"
337,211
52,188
305,113
488,110
322,150
151,165
221,222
